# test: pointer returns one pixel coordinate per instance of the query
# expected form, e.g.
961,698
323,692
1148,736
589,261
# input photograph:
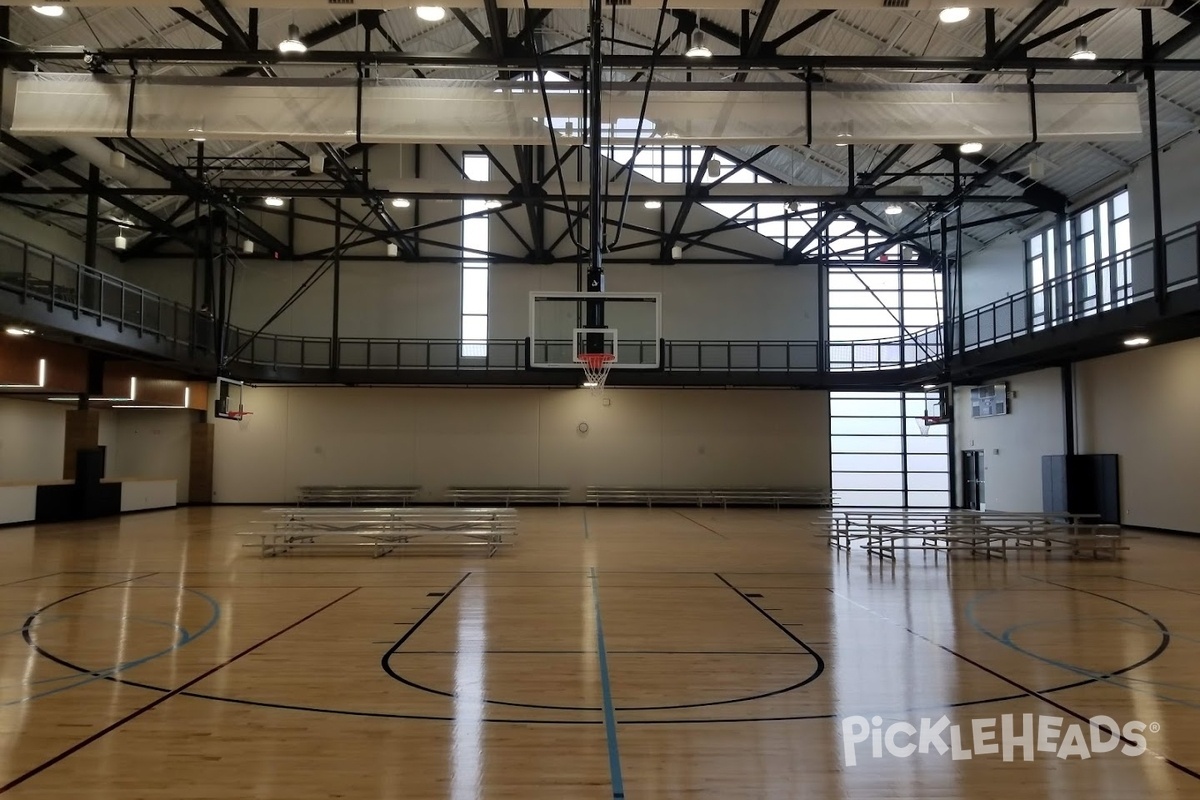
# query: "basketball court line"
20,779
1040,695
1156,585
610,716
25,580
701,524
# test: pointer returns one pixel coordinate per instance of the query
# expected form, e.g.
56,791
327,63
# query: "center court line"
162,699
701,524
610,716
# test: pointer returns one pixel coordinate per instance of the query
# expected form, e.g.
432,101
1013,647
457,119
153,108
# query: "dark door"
972,472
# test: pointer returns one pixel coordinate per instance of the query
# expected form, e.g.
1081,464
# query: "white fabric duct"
96,153
488,112
689,5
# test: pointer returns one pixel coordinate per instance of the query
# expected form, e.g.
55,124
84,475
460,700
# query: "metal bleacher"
776,497
356,495
509,495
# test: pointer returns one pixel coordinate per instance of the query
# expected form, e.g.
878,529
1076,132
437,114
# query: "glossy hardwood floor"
654,654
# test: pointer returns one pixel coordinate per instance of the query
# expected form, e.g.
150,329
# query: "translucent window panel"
866,462
864,425
1035,245
922,281
774,228
921,318
928,481
865,407
929,499
867,480
921,299
854,333
933,443
1121,236
475,291
863,317
477,167
1087,221
1120,204
867,499
861,298
476,233
474,327
864,444
929,462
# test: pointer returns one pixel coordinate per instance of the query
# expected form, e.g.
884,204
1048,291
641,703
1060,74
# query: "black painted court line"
160,700
38,578
820,665
1156,585
701,524
1034,692
587,652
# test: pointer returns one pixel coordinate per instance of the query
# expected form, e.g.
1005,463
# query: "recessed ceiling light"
892,210
653,205
954,14
431,13
49,11
401,202
274,202
13,330
970,147
292,43
197,134
1137,341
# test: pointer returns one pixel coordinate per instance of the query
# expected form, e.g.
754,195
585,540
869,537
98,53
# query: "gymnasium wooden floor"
644,653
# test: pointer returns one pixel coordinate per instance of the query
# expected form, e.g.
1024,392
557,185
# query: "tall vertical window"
475,241
1091,250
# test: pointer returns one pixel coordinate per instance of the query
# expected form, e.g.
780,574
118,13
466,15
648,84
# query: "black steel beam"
497,27
1070,27
862,190
625,61
796,30
235,37
16,179
471,27
118,199
1012,43
189,16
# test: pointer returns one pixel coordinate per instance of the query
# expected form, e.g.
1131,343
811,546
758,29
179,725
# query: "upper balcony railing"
41,278
1092,289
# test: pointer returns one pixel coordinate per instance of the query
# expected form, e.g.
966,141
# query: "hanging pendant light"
293,44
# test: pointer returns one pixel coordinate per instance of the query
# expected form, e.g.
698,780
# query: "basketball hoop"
928,422
596,367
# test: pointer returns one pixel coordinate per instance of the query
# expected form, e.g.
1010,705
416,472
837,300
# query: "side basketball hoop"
238,416
928,422
596,367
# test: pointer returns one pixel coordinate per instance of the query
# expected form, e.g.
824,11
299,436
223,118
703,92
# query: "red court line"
162,699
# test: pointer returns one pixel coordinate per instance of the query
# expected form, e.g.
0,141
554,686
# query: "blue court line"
115,671
610,716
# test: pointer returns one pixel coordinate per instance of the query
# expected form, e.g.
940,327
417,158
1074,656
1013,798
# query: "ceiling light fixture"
49,11
197,134
13,330
696,46
967,148
714,169
120,242
954,14
676,253
1082,52
292,43
653,205
248,246
893,209
431,13
393,249
401,202
1137,341
116,160
793,206
316,163
274,202
492,204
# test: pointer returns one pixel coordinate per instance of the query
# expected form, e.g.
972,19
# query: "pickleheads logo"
1006,737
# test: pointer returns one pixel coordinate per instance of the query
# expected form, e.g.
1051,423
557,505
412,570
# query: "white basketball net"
596,367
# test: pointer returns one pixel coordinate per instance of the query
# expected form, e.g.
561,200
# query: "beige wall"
1144,405
1013,444
31,440
152,444
437,438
